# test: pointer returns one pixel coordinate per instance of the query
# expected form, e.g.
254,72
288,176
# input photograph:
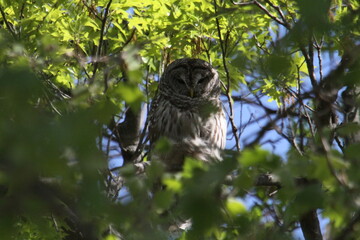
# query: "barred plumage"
187,111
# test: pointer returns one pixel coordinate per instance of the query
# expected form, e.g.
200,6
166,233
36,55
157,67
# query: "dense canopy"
77,78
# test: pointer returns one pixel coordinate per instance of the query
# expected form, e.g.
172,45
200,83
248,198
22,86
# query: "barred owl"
187,111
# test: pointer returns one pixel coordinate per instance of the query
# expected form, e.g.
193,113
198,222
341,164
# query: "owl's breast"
190,132
175,123
178,124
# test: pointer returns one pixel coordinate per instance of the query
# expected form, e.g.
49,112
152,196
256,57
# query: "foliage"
71,72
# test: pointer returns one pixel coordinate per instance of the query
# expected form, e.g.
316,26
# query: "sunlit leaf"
235,207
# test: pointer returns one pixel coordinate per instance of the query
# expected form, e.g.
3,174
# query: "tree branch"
128,135
328,89
101,39
310,66
267,180
348,230
310,226
91,10
278,9
8,25
266,11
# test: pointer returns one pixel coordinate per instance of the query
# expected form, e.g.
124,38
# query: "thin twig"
21,16
92,10
102,31
278,9
101,39
266,11
260,46
8,25
310,66
128,40
318,49
294,142
207,50
143,137
327,149
241,4
231,114
294,95
311,53
46,15
339,143
55,223
301,126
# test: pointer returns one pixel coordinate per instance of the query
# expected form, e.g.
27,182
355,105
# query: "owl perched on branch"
187,112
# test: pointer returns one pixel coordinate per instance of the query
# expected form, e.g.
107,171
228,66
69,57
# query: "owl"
187,112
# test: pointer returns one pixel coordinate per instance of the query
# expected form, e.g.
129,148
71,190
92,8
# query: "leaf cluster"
71,71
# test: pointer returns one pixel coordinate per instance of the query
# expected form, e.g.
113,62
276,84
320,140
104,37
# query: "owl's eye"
202,80
179,80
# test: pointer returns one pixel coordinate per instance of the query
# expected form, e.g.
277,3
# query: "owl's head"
193,78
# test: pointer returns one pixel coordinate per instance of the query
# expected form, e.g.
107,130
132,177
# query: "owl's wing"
214,129
153,131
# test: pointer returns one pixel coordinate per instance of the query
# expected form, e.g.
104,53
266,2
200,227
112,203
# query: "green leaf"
164,199
258,157
235,207
111,237
172,184
129,93
191,166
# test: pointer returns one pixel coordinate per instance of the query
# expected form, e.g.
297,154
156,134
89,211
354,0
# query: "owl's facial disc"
181,79
200,78
185,84
191,81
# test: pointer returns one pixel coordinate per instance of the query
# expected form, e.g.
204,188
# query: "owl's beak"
191,92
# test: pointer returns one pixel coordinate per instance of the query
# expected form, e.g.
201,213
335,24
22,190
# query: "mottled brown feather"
195,126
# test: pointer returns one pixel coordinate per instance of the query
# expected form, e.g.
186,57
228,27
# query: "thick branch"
351,112
267,180
326,94
310,226
128,135
328,89
60,205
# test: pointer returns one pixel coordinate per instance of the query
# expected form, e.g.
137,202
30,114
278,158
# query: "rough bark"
351,112
128,133
325,117
350,99
327,91
310,226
